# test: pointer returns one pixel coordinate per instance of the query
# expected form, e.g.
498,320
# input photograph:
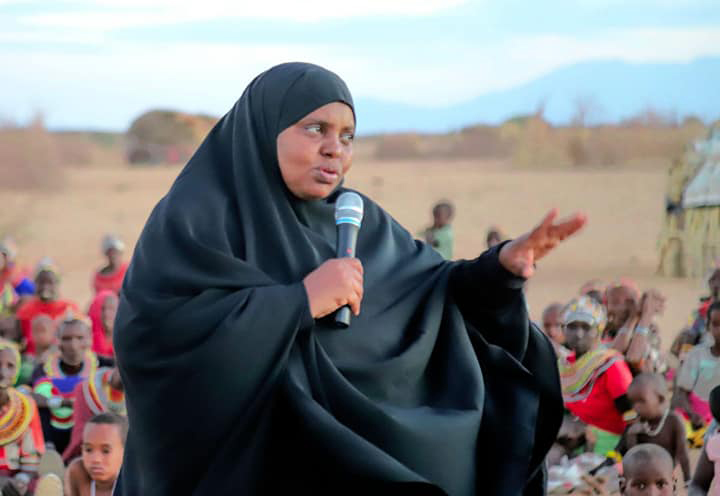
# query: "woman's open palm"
519,255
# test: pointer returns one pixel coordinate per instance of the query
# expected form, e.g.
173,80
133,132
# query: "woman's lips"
327,175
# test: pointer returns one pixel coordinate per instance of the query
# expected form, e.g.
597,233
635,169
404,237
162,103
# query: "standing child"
657,423
700,373
440,234
102,453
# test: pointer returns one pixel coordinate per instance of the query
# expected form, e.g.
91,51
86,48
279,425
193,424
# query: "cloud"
116,14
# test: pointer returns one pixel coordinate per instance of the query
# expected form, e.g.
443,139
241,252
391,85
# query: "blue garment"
25,287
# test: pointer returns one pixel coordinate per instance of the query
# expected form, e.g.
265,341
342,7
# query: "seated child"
21,438
657,423
102,454
647,469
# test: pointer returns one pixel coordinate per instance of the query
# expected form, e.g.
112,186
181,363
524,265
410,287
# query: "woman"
15,287
102,312
226,295
111,276
21,437
594,379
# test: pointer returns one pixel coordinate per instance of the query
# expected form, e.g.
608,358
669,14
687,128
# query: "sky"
98,64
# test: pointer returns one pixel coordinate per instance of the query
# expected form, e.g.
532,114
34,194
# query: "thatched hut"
690,241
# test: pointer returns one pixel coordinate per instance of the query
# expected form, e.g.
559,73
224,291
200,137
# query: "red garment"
112,282
598,409
83,411
102,344
10,275
34,307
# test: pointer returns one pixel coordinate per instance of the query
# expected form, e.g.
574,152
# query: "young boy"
440,234
657,423
102,453
647,469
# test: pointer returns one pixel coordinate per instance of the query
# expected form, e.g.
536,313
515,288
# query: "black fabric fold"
233,388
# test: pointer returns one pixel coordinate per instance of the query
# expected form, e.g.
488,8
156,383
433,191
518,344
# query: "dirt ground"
624,209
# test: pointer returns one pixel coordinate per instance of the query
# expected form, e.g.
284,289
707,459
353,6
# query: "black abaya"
440,386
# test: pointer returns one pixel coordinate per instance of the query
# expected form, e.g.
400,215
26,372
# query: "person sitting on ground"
594,379
699,374
102,314
45,302
440,235
552,327
103,448
631,329
657,423
21,437
10,329
707,471
15,287
44,334
647,469
54,380
103,392
110,277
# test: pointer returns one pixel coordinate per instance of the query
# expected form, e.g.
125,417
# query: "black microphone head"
349,209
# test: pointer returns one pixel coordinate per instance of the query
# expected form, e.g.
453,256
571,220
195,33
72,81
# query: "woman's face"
580,337
315,153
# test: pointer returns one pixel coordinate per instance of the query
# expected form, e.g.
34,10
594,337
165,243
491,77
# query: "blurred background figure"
440,235
494,237
46,301
15,286
110,277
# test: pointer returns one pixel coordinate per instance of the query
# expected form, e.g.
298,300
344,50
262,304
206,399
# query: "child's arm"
681,450
704,472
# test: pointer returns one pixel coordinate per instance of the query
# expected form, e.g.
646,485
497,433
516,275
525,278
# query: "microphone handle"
346,241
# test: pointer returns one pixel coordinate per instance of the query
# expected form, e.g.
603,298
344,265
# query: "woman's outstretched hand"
336,283
519,255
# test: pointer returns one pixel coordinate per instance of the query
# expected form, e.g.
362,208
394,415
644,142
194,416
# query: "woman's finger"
545,224
567,228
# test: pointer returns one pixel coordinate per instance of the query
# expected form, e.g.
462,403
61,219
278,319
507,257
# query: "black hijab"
233,388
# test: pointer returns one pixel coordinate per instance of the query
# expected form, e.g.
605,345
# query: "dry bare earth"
624,208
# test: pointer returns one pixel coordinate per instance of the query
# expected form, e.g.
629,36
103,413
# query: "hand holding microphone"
338,283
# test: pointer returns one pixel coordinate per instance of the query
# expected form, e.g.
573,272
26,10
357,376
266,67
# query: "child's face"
441,216
714,325
46,286
552,325
102,451
9,329
650,479
8,368
43,332
74,343
648,404
108,311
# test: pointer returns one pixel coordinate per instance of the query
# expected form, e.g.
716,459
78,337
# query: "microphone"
348,216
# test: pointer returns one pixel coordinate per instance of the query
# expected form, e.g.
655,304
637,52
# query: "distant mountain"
612,91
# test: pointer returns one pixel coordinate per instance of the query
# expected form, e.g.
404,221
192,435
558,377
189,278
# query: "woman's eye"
314,128
348,137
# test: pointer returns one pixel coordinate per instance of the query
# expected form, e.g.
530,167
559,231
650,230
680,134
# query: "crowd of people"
621,391
62,411
62,408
